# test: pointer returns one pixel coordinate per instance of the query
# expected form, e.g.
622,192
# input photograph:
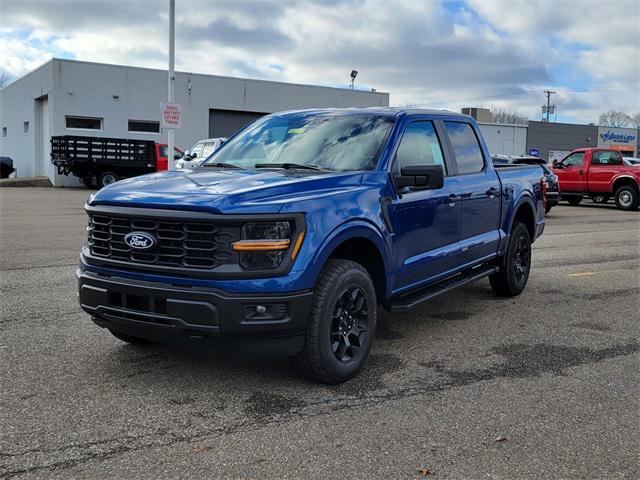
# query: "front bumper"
196,316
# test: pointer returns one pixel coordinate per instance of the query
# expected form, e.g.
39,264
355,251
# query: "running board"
407,302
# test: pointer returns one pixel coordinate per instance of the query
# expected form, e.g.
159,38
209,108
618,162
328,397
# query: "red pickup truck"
598,173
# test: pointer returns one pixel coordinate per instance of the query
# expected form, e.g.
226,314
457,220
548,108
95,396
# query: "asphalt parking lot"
554,373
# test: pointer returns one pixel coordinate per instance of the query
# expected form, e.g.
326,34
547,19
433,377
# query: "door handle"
580,172
492,192
452,199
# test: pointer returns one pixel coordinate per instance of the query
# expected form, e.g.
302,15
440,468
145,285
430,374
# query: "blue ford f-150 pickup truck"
289,236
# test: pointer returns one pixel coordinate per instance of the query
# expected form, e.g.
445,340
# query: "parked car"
286,239
599,173
6,167
631,161
106,160
553,187
200,152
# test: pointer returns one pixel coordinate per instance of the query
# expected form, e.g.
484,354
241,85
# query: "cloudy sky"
431,53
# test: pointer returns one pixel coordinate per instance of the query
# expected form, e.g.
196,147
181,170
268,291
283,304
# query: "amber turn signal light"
260,245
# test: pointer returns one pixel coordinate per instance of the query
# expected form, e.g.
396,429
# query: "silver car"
200,152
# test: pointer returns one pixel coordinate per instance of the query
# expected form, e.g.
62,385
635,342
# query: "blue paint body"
426,239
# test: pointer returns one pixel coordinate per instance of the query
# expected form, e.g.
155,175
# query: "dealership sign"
609,136
171,116
534,152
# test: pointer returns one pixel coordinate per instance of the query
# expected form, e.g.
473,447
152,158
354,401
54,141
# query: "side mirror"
420,177
178,155
555,164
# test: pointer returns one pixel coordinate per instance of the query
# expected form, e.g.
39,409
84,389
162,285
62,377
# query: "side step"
409,301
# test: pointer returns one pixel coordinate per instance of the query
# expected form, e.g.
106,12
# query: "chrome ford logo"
140,240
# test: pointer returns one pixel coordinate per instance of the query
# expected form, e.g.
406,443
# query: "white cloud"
423,52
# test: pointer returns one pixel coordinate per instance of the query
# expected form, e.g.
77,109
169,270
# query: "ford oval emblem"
140,240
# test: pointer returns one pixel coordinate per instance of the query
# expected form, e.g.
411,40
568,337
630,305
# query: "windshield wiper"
289,166
222,165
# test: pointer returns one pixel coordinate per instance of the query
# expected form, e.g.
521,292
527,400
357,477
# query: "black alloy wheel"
349,324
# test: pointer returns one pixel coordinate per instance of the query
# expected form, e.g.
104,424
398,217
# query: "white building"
505,139
67,97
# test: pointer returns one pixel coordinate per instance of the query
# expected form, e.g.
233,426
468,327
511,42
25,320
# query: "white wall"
17,105
88,89
505,139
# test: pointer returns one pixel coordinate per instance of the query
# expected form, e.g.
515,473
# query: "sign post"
172,77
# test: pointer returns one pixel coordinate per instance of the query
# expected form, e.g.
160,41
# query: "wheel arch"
363,243
623,180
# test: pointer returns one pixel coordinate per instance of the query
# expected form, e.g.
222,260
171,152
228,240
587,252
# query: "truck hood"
226,190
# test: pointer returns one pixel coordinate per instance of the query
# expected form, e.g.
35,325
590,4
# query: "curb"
40,182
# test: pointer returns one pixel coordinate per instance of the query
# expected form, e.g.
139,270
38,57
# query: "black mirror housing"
420,177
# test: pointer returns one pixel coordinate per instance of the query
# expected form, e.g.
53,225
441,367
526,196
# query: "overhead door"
224,123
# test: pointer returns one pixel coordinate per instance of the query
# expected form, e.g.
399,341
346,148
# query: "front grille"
194,244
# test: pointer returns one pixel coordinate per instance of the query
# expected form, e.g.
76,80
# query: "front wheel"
342,323
574,200
627,197
513,273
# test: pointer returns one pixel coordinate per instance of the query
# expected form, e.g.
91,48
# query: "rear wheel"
627,197
342,324
131,339
106,178
574,200
513,274
600,198
548,208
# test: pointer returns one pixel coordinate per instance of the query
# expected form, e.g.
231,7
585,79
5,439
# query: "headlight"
264,245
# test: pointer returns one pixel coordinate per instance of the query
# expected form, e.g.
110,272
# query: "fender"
623,175
524,197
345,231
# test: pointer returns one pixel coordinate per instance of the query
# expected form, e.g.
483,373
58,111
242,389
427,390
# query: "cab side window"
207,150
606,158
419,146
197,150
573,160
466,147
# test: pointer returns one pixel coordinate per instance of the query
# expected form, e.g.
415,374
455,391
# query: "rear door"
570,172
425,223
481,195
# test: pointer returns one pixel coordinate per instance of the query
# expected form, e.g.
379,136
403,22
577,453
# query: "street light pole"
172,78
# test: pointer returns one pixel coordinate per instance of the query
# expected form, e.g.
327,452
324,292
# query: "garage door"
223,123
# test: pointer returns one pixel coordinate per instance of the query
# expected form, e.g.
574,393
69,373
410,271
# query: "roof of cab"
382,111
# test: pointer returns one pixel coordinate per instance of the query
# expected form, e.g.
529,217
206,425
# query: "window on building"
4,131
25,127
85,123
144,126
466,147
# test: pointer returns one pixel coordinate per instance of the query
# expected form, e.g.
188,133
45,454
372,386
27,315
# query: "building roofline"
504,124
39,67
225,77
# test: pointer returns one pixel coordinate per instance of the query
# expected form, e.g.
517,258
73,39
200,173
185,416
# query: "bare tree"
501,115
613,118
4,79
635,118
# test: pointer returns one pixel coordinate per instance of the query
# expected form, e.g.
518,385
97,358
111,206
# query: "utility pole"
548,108
172,78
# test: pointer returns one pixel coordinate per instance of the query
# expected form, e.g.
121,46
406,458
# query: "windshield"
329,142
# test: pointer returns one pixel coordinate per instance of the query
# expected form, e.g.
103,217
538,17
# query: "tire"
106,178
326,357
626,197
515,266
88,182
131,339
547,209
600,198
573,201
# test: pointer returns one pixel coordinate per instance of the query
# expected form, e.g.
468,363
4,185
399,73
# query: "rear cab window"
466,147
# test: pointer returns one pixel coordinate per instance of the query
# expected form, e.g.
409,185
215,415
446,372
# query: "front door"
425,223
570,173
